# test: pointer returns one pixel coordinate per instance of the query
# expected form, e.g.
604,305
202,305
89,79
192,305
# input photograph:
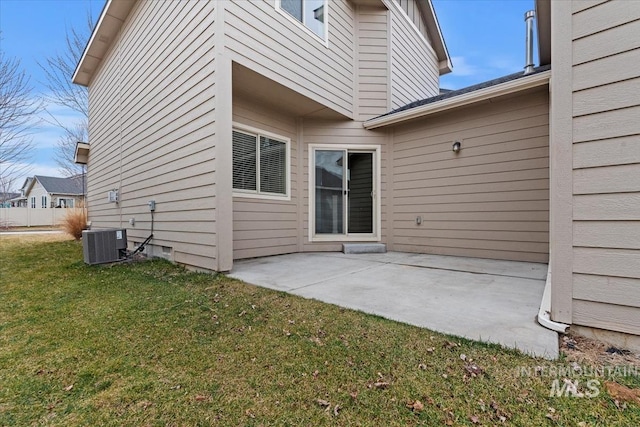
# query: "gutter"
544,313
523,83
85,52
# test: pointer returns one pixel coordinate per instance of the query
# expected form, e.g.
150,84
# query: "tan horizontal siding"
264,227
459,183
492,199
414,65
604,289
603,17
610,42
607,179
609,97
152,130
504,218
607,234
412,9
606,70
464,250
609,124
578,6
303,63
372,40
610,207
606,162
607,262
608,152
607,316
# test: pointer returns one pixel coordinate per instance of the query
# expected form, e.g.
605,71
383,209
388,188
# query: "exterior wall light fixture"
457,146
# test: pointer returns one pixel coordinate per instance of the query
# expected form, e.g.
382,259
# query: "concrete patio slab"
485,300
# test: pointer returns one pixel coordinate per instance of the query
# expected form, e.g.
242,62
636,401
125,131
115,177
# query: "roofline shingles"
453,93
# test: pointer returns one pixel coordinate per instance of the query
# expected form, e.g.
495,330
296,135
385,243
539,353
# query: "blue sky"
485,39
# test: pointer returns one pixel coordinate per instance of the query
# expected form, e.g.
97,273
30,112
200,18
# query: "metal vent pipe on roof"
528,19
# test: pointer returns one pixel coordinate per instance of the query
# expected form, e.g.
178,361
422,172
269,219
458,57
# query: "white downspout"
544,313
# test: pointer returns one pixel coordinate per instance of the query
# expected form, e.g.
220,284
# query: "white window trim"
324,40
376,236
251,194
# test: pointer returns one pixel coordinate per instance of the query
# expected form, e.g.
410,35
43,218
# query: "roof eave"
111,20
439,45
513,86
445,66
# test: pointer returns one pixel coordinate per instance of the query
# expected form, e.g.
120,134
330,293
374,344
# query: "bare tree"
63,92
17,112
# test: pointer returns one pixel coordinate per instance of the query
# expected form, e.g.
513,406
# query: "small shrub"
74,222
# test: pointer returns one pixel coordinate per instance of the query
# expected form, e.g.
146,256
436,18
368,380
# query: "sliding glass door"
344,193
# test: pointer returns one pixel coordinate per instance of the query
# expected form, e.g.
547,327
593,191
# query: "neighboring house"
6,199
20,200
271,127
45,192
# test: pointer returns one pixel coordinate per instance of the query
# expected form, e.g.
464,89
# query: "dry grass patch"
74,222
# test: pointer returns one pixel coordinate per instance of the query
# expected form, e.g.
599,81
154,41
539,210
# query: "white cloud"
461,67
45,170
505,65
47,129
23,170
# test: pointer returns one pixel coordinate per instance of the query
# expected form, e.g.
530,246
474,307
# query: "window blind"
244,161
273,166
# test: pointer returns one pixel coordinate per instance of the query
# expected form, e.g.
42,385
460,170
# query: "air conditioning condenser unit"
103,246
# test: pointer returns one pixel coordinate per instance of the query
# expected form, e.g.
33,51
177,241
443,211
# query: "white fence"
27,217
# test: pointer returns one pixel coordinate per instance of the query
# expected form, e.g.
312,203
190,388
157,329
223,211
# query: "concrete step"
364,248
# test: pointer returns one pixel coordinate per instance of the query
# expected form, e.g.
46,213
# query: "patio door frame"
376,236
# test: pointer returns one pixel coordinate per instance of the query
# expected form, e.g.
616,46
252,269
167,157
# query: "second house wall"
151,131
414,67
492,199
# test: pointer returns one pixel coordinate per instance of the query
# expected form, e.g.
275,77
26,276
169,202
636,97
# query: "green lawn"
152,344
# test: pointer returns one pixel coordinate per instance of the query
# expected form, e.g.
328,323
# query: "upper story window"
310,13
44,201
33,203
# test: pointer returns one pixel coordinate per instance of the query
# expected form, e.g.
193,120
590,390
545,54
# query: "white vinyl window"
43,200
312,14
33,203
65,203
260,164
